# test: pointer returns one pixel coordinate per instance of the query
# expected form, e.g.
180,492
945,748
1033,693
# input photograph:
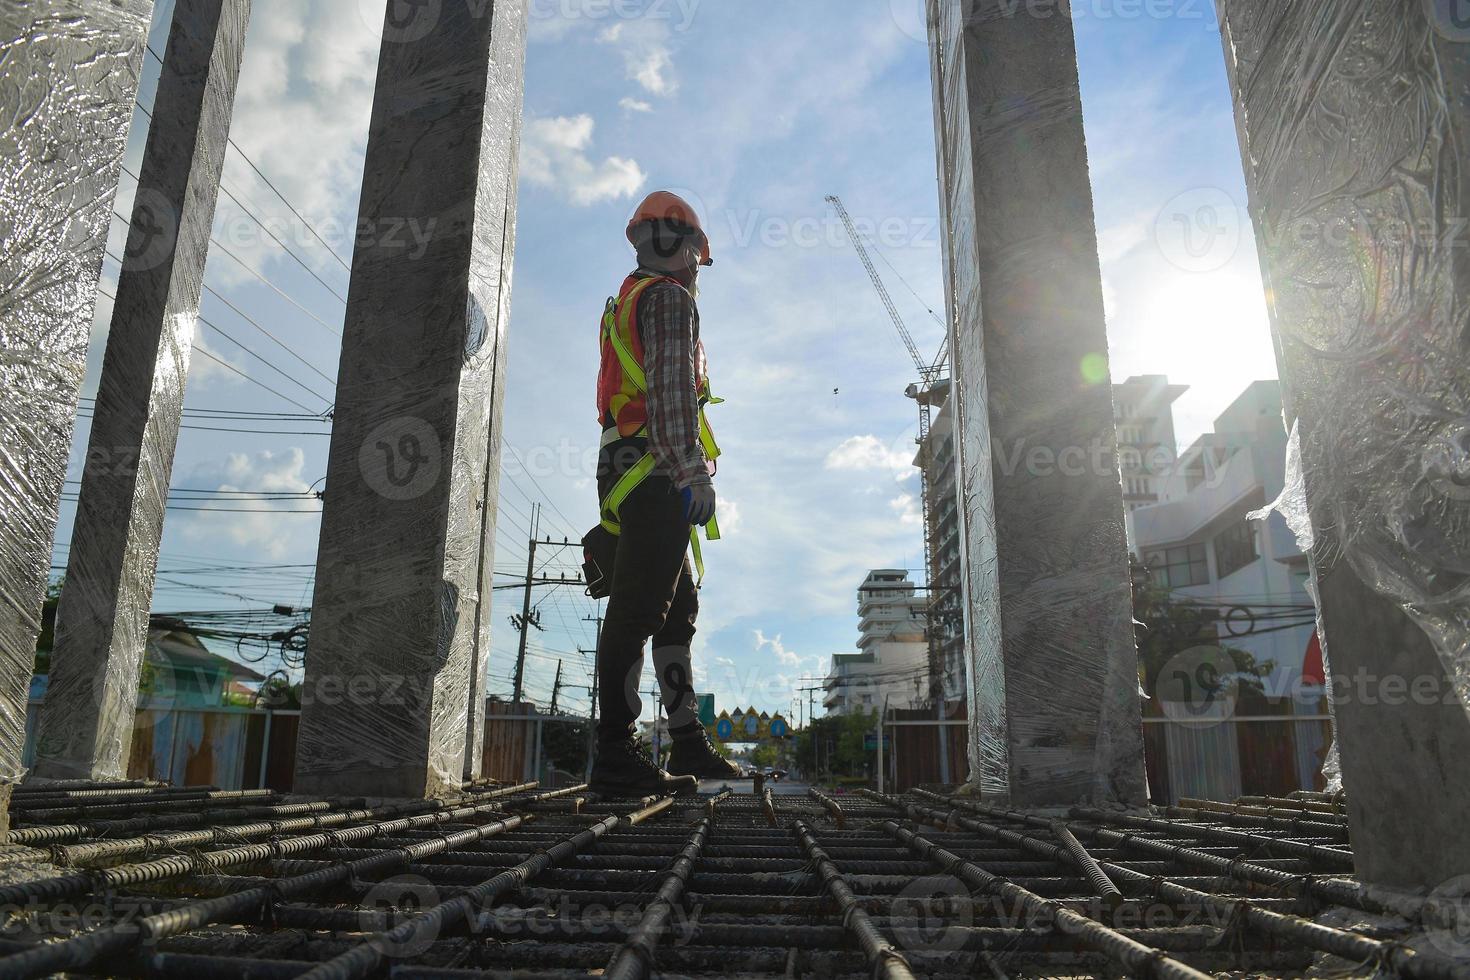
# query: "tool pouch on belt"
599,551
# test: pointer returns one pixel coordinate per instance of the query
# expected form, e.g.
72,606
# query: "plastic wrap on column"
68,76
1354,118
490,280
86,721
1054,711
398,625
984,680
1367,245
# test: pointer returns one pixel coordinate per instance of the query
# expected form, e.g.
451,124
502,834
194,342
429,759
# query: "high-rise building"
893,653
1146,453
945,583
1143,413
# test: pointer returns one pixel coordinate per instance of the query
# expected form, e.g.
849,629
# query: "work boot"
624,768
694,755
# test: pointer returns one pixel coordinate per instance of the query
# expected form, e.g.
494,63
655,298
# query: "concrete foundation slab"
86,722
397,630
1052,674
1354,119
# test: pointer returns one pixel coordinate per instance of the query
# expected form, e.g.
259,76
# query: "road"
786,787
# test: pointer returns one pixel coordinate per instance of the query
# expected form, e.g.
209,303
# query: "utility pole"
658,711
592,728
531,618
556,687
526,607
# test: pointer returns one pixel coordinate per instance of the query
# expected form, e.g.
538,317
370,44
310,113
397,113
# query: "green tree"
832,747
765,754
565,744
1165,627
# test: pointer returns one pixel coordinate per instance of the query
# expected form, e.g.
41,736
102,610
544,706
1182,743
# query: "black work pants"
653,595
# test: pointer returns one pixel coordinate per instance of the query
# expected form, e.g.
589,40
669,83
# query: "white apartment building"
1197,543
1143,412
893,655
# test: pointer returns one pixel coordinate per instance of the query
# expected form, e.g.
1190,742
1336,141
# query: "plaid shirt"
668,326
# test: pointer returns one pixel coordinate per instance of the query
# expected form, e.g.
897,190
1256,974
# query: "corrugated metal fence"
243,748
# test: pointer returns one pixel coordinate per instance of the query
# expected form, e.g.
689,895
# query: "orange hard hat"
666,207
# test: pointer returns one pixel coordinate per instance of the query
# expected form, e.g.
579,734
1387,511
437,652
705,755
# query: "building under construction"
393,856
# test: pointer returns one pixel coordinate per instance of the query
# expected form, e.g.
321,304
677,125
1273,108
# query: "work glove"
699,503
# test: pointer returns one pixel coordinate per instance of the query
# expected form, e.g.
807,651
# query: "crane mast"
929,373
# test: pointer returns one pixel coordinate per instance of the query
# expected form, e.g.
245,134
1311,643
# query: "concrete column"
86,724
1354,117
405,529
474,745
68,77
1051,659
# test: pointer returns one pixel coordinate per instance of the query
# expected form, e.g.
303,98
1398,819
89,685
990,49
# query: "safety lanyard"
615,320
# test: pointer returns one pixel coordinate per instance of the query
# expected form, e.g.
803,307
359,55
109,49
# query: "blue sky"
755,110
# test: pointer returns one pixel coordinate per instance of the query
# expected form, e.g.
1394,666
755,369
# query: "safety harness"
617,324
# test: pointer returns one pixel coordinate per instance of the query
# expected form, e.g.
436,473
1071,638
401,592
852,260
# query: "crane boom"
929,373
903,332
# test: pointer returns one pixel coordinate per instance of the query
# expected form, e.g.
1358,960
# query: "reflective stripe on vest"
617,327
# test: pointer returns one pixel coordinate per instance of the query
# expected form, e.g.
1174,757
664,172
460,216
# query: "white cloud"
630,104
728,514
261,531
206,366
869,453
787,658
647,58
553,154
906,506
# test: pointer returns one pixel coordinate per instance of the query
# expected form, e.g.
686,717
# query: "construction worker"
655,485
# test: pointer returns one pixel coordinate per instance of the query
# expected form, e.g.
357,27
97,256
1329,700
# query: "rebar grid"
508,879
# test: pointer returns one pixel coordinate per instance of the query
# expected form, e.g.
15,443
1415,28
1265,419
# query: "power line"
274,339
241,414
72,497
278,291
227,365
257,326
261,174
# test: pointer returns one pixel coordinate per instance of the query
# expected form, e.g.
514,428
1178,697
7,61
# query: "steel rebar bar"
1087,864
635,961
369,955
882,955
1137,958
1338,942
832,807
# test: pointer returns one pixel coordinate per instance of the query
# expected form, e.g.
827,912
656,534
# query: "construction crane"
931,375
